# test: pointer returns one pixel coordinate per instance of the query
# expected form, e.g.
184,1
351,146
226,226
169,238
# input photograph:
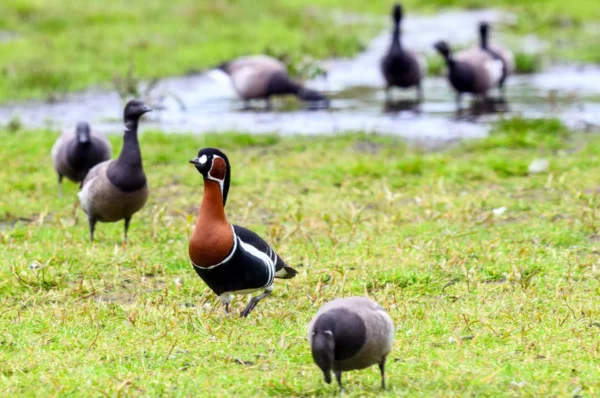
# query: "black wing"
253,239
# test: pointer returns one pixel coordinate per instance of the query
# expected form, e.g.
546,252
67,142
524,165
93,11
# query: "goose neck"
212,209
130,154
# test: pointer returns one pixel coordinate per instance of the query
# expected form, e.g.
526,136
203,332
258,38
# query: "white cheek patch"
202,159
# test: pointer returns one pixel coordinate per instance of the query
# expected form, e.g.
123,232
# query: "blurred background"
62,61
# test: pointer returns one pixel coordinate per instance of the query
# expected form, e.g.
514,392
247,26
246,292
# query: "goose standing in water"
348,334
116,189
402,67
472,71
262,77
75,152
230,259
505,56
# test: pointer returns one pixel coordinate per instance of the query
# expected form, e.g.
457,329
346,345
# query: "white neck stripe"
221,182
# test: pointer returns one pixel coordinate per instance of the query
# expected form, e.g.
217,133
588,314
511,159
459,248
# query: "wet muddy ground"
203,103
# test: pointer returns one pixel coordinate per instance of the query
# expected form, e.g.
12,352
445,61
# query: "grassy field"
486,301
51,47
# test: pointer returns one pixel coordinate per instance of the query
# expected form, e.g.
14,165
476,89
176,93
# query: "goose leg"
268,105
127,220
338,377
227,309
60,190
92,223
382,370
458,101
253,302
502,91
419,93
75,206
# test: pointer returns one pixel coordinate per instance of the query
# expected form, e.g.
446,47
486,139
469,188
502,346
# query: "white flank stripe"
263,257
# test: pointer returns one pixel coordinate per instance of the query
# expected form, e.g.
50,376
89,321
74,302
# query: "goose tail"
286,272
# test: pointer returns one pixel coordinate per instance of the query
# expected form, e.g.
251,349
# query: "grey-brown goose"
472,71
348,334
402,67
116,189
502,54
75,152
261,77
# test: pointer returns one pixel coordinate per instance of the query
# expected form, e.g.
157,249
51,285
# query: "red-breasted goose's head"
214,166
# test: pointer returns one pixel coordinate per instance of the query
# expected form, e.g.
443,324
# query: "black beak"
195,161
327,377
146,109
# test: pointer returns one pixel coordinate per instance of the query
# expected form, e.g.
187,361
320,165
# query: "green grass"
61,46
485,304
526,63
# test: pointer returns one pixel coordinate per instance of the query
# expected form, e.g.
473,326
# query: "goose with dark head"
230,259
400,66
75,152
349,334
472,71
83,133
116,189
260,77
504,55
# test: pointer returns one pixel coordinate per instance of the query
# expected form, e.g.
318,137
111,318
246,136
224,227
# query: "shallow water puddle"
202,103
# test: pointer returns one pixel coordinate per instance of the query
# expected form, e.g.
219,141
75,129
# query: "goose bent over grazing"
261,77
402,67
116,189
75,152
230,259
499,53
348,334
472,71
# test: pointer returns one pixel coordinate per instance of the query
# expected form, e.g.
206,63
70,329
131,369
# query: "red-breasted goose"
116,189
348,334
230,259
261,77
502,54
472,71
75,152
402,67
